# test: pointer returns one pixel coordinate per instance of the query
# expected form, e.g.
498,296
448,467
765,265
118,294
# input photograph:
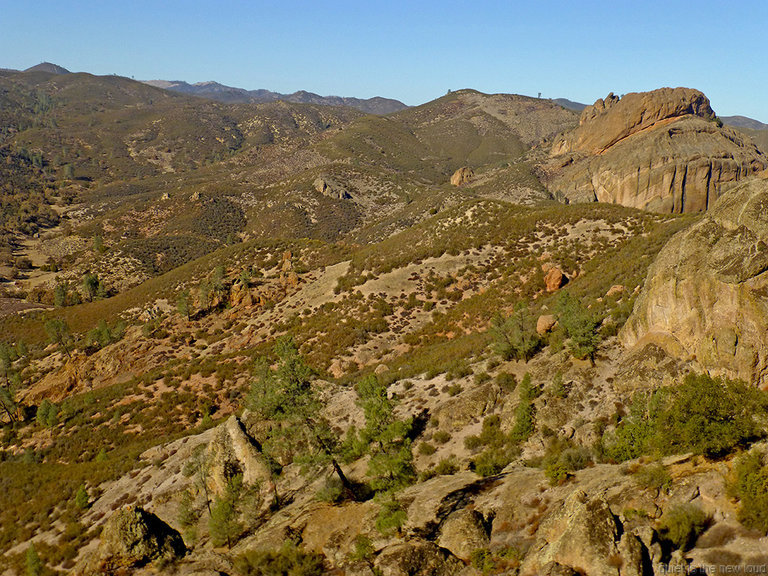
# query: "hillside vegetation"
292,339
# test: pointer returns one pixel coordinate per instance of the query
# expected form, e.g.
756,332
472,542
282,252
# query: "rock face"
706,295
416,558
232,452
584,537
462,176
462,533
133,537
662,151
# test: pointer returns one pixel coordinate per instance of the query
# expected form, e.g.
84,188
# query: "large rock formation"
582,536
132,537
663,151
706,295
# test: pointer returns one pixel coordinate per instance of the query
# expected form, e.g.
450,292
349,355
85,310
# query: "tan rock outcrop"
331,188
583,534
232,452
706,295
462,533
462,176
416,558
662,151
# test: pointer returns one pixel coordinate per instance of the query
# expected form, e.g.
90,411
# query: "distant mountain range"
222,93
377,105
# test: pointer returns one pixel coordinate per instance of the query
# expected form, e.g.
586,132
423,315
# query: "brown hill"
663,151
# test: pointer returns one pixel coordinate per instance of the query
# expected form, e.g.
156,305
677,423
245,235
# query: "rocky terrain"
478,336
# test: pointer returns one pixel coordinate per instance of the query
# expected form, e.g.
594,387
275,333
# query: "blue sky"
410,50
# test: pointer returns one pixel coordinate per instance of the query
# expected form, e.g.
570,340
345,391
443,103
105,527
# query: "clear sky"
410,50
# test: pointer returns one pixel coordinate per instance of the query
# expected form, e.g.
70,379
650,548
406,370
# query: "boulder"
663,151
131,538
462,533
706,294
555,279
582,534
416,558
462,176
545,323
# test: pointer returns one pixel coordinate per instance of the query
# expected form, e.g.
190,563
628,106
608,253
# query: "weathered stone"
615,289
462,533
132,537
661,151
583,534
462,176
706,294
416,558
545,323
555,279
233,452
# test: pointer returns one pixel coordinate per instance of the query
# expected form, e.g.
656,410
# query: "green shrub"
426,449
492,461
557,473
441,436
704,415
391,516
47,414
81,498
751,487
654,477
682,524
288,560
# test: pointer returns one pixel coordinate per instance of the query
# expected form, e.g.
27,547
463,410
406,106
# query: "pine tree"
286,398
34,565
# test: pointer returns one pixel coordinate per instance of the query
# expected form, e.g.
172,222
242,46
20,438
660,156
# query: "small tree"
223,525
525,411
204,294
385,437
81,497
182,304
34,565
90,285
60,295
298,431
580,326
515,336
59,334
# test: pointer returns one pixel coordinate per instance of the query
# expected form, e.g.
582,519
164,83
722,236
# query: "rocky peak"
612,119
662,151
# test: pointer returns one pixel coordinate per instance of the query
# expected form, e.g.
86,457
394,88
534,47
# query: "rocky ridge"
663,151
